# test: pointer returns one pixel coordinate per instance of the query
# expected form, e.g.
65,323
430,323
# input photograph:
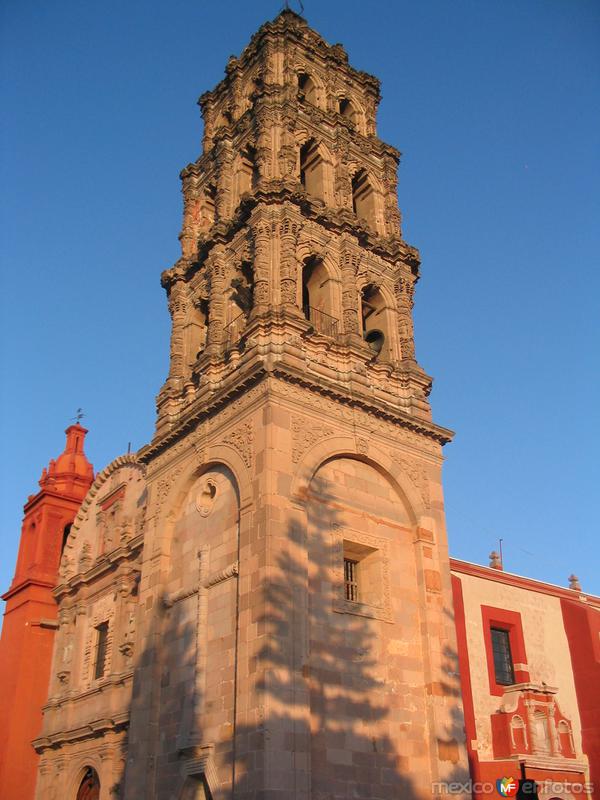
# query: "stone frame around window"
362,546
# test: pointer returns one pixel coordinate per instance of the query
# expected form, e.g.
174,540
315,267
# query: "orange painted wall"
30,614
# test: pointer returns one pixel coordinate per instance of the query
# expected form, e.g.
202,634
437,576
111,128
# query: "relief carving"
242,438
304,434
417,474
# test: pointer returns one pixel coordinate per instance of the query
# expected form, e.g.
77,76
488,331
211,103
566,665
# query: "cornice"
522,582
91,730
25,584
338,221
206,407
106,563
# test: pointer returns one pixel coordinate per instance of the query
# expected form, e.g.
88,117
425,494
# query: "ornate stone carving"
417,474
304,434
242,438
163,487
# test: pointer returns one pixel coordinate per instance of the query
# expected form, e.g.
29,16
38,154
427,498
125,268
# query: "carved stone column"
404,299
224,158
343,185
262,264
264,143
208,115
288,231
217,275
391,211
191,216
288,152
178,303
350,301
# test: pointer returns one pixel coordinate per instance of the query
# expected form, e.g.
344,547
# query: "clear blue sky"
495,105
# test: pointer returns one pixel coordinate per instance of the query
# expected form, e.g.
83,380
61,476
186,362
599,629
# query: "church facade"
259,603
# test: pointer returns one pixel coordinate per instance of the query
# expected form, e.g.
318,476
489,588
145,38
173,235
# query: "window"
363,198
101,650
351,580
362,569
503,662
306,89
312,174
505,651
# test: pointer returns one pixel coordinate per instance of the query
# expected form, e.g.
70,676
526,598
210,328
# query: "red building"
529,658
31,613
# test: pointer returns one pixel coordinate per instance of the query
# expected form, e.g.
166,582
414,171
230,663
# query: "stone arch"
377,319
245,171
367,198
310,86
338,446
315,168
352,111
194,333
80,764
217,455
129,459
320,299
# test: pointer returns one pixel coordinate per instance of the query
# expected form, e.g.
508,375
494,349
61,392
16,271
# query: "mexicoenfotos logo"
507,787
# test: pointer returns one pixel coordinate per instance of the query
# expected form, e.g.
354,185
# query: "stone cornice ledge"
107,563
206,407
91,730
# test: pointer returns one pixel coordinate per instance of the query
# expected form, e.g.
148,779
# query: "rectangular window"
101,649
503,662
351,580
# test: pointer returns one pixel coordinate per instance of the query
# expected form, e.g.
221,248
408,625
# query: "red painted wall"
582,625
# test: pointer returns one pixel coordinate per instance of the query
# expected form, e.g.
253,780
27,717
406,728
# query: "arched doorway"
89,788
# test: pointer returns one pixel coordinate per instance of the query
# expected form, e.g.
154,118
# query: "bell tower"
296,545
30,616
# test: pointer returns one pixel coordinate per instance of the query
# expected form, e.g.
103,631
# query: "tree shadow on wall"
313,707
324,710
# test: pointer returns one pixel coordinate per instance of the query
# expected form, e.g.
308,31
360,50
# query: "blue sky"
495,105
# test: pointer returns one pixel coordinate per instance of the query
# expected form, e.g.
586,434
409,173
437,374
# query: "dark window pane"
503,663
351,580
101,647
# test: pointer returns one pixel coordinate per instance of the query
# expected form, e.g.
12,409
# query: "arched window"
194,332
240,302
375,321
89,788
247,177
317,297
307,91
312,171
518,734
565,739
207,213
347,111
363,198
66,531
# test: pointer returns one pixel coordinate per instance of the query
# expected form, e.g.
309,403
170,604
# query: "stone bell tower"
295,623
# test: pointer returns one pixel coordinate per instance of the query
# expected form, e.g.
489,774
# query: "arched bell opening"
307,90
375,323
312,170
363,198
194,333
240,302
208,206
247,172
318,296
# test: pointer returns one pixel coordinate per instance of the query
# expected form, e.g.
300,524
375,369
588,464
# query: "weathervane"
78,416
286,6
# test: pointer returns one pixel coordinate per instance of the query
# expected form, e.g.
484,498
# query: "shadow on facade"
312,714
